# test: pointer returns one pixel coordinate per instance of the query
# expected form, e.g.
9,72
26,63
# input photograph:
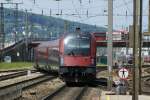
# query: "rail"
13,91
13,75
78,95
51,95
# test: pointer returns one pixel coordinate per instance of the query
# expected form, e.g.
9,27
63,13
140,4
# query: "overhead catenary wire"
76,9
126,4
81,14
83,11
38,6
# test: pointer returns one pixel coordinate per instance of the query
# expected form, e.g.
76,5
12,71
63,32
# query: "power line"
81,15
76,10
118,6
125,3
93,15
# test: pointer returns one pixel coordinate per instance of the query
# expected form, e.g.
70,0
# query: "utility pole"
2,34
34,1
26,22
149,18
16,27
42,12
16,21
50,12
109,42
26,33
140,46
136,13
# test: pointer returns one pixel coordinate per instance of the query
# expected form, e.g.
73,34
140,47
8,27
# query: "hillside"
43,26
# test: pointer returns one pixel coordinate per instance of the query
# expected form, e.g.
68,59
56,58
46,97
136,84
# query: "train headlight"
92,60
93,63
66,40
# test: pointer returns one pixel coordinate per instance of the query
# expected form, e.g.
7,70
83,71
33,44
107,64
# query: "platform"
120,97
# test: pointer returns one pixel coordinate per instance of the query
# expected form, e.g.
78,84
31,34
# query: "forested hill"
40,25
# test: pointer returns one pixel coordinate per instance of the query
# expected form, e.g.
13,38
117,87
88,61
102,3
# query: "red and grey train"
73,55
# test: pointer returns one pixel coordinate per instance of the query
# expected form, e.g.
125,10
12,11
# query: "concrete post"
136,14
109,42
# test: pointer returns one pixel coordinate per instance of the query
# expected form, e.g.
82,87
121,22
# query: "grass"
101,65
15,65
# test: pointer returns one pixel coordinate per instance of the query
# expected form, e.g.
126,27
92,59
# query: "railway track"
16,74
13,91
146,85
67,93
70,93
14,70
147,81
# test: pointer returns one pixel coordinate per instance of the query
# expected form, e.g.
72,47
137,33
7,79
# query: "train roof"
77,34
97,34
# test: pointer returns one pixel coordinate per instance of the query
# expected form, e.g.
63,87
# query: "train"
73,55
47,56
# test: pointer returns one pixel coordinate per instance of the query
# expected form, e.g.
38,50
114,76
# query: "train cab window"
77,46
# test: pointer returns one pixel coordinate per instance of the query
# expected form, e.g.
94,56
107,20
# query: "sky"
76,10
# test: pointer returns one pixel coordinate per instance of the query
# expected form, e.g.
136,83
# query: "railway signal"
123,73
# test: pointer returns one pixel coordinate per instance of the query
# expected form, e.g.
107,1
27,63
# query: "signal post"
136,41
109,43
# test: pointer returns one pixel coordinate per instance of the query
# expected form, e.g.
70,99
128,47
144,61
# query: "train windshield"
77,45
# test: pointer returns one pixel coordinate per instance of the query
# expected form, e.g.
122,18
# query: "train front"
77,58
